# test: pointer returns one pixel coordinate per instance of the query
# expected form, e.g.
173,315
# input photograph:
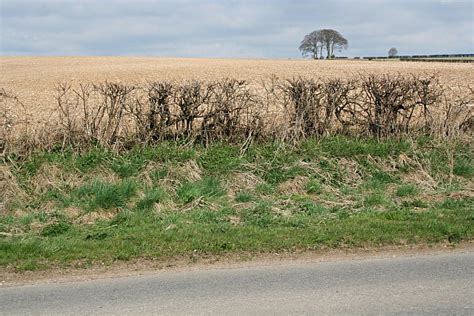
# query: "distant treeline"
418,57
455,58
442,60
438,56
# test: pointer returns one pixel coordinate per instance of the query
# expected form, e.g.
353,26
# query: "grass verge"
173,200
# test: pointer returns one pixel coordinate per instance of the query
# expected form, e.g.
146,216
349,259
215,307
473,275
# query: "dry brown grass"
9,188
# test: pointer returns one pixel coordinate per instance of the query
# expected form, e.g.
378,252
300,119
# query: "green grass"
104,195
406,190
152,196
349,147
326,193
221,159
206,188
243,197
204,231
313,187
375,198
55,229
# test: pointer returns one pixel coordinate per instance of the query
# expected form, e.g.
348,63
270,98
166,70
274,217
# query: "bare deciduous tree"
332,39
312,45
316,41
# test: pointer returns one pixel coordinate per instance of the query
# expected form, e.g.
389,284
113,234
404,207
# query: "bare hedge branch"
118,115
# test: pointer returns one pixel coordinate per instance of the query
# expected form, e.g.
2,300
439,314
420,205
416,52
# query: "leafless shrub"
457,114
159,116
68,106
318,108
391,102
92,114
111,110
151,113
340,101
16,132
117,115
303,105
190,97
271,108
6,121
427,93
231,114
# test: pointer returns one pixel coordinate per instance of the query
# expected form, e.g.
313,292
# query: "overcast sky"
232,28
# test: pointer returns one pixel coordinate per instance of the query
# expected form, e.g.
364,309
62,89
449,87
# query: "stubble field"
33,79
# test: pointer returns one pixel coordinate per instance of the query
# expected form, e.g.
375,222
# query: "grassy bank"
177,200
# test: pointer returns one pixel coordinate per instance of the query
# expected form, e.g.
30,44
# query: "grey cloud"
231,28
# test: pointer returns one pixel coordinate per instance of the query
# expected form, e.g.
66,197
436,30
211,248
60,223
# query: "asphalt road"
428,284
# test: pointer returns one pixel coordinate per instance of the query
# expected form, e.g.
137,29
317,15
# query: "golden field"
34,79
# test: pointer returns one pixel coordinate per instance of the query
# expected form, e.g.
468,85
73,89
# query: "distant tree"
392,52
315,42
331,40
312,45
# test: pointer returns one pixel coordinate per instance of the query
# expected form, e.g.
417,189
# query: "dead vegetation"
118,115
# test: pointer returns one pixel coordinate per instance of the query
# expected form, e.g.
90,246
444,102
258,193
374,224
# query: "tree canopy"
392,52
317,41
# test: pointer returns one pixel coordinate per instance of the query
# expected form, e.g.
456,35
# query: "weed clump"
152,196
55,229
105,195
406,190
206,188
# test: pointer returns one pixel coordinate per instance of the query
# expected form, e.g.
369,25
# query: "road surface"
425,284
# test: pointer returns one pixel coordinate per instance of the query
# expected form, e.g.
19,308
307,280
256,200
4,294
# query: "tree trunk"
328,48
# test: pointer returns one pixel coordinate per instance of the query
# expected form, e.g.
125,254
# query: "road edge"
142,267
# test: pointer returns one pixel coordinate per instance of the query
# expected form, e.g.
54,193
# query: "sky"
232,28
